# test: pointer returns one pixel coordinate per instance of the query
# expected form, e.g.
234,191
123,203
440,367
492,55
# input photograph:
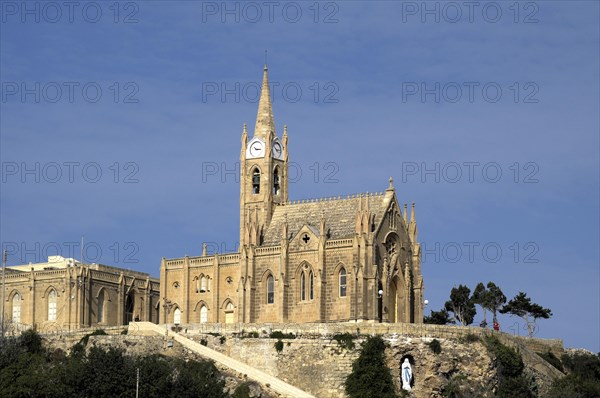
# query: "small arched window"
203,284
270,289
256,181
303,286
203,314
16,308
310,286
177,316
101,306
52,305
276,184
343,282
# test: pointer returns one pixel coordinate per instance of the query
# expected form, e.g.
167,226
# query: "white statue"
406,375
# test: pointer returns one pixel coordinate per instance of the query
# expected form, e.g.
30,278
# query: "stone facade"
318,260
64,294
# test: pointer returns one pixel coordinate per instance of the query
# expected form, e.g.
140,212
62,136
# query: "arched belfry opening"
276,181
256,181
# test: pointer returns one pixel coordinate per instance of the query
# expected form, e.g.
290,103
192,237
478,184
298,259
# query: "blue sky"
487,118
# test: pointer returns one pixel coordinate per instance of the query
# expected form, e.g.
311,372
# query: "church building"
66,294
354,258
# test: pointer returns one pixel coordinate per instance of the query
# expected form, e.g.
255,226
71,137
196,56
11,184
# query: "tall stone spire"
265,124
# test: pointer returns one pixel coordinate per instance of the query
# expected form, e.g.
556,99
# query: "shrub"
98,332
242,391
345,340
278,334
583,379
512,382
31,341
435,346
370,377
470,338
279,346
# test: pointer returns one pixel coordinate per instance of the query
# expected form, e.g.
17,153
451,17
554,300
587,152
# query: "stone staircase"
272,383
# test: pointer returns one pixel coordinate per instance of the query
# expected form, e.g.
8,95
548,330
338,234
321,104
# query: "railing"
229,258
339,243
268,250
202,261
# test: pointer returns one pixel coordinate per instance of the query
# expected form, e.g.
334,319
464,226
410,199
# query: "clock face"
256,149
277,150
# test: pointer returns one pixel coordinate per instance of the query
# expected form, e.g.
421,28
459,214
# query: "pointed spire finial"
412,213
391,187
266,59
203,249
265,123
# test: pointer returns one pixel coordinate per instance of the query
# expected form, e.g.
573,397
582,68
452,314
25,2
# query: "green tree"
495,299
370,377
522,307
481,297
438,318
197,379
461,305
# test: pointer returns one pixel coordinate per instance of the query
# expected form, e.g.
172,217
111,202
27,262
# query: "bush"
435,346
370,377
31,341
242,391
278,334
279,346
98,332
345,340
512,382
469,338
583,379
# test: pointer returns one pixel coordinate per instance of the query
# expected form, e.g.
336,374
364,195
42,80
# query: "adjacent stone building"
64,294
354,258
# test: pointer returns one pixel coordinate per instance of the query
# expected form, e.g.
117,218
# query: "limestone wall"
320,365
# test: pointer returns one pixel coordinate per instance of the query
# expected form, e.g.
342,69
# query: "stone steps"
271,382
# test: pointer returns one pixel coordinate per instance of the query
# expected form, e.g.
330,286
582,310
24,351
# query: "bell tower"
263,171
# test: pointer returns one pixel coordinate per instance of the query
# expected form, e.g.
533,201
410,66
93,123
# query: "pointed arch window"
276,181
177,316
343,277
270,289
203,284
303,286
203,314
16,308
52,305
256,181
310,285
101,306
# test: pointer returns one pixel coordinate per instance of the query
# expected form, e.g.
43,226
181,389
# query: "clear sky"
121,122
